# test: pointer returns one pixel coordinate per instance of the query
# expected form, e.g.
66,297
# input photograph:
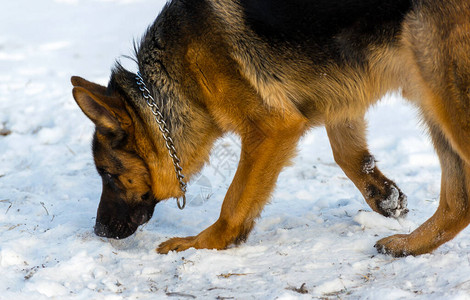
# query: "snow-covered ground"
315,239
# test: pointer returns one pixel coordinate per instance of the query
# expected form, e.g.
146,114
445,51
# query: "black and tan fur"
268,71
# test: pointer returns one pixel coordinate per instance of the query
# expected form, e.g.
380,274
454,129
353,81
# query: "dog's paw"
395,245
208,239
176,244
394,204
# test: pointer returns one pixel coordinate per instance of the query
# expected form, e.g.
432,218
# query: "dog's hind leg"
348,142
453,213
443,64
265,151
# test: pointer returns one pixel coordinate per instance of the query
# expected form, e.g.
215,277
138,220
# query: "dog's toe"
176,244
395,245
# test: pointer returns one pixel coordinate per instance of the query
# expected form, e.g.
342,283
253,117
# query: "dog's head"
127,199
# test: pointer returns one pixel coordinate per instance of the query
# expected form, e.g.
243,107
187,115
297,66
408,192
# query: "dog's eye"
107,177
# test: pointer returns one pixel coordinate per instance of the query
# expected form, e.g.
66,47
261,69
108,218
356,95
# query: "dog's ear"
91,86
107,112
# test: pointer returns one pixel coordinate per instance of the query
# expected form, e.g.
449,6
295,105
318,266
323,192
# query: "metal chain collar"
166,136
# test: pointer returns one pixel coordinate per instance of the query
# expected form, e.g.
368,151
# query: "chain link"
166,136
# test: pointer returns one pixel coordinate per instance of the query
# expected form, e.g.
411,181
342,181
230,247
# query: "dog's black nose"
115,230
101,230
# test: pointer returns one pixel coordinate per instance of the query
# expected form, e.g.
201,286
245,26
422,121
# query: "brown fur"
223,82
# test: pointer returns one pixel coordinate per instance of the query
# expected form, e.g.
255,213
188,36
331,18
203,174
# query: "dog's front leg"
349,145
263,156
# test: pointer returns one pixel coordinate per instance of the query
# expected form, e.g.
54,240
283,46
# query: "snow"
314,240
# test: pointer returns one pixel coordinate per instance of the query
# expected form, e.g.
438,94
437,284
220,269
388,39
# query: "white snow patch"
373,220
50,135
47,288
54,46
330,287
9,257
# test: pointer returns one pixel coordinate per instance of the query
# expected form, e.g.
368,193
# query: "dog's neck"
190,125
169,143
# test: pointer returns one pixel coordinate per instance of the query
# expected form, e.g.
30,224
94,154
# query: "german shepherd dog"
268,70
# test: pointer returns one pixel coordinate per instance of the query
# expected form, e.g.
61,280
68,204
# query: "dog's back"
325,26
